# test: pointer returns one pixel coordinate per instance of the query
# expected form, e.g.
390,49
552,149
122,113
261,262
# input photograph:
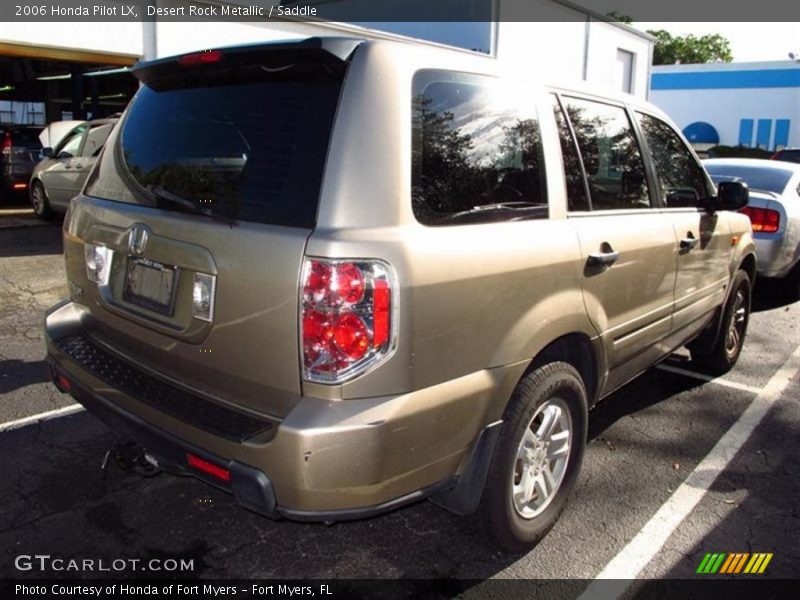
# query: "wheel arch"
577,350
748,265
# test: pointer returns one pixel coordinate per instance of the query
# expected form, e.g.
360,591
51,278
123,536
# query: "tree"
690,49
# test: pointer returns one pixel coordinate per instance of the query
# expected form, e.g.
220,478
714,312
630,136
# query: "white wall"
604,41
548,50
172,38
557,50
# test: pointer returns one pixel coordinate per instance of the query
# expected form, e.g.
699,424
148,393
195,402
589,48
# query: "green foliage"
620,17
689,49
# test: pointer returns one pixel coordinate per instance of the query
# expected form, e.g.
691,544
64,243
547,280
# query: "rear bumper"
327,460
776,254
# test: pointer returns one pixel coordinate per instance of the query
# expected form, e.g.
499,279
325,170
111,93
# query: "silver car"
60,176
774,210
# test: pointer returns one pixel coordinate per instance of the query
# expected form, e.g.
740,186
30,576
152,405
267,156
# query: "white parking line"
703,377
51,414
634,557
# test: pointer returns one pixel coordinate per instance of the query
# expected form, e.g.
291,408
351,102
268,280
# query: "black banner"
743,587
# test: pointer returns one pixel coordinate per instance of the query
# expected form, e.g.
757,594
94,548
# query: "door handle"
67,166
688,243
79,167
604,259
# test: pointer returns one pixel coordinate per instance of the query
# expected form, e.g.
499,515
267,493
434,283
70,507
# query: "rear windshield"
790,156
767,180
248,143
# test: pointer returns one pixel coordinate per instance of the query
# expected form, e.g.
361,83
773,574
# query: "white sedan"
774,210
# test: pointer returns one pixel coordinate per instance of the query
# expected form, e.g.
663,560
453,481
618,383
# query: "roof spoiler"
314,49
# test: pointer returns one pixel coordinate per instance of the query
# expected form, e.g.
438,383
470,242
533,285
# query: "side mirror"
731,195
47,152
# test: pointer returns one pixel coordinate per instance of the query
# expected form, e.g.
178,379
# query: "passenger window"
70,146
611,155
476,151
680,178
573,174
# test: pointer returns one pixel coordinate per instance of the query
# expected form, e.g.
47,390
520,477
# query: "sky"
749,41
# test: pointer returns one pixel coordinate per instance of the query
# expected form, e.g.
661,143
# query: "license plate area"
151,285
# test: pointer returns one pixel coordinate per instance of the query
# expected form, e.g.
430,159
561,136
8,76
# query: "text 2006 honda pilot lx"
335,276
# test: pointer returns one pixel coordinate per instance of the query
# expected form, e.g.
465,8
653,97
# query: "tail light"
346,315
763,219
7,143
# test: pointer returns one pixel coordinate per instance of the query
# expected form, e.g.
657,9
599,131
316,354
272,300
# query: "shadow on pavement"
31,241
58,500
769,294
754,504
15,374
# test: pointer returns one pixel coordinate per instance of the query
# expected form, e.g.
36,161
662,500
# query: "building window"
625,64
782,133
763,133
746,132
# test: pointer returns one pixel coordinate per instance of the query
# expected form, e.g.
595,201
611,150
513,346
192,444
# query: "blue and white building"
756,105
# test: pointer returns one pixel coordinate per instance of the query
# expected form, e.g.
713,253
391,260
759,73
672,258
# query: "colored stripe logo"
734,563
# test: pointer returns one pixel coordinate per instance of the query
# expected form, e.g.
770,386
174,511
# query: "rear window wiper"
163,195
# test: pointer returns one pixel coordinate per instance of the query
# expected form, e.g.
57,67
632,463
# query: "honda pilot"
336,276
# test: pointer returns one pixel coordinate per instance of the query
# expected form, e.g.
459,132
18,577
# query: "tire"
514,513
40,203
722,356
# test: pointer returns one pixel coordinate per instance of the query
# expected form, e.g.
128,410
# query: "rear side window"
247,141
680,178
476,151
611,156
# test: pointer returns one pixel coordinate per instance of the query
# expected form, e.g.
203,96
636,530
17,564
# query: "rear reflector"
20,186
206,467
200,58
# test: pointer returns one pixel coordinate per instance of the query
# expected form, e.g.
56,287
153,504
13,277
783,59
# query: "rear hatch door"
206,194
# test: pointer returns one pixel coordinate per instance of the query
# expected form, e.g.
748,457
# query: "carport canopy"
73,81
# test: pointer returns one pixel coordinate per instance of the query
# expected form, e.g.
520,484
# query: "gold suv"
337,276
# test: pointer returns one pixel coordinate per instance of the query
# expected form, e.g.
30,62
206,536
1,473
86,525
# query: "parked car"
774,210
787,154
20,152
390,274
62,172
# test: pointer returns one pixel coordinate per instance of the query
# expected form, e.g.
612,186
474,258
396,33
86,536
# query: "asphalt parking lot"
649,445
